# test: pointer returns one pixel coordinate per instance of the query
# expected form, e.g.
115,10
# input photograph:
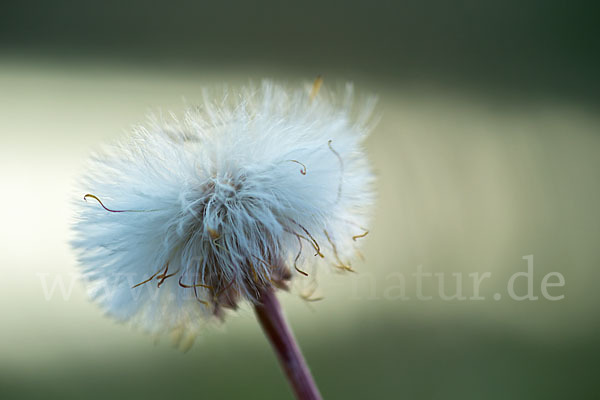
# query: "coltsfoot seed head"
188,217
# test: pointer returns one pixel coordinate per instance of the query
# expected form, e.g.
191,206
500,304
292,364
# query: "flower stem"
290,357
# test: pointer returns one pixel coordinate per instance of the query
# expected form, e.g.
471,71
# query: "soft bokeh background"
488,150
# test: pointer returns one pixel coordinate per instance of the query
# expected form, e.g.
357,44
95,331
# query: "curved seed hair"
303,169
298,256
108,209
362,235
341,265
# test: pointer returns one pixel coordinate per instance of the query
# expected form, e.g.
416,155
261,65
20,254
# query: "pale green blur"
465,184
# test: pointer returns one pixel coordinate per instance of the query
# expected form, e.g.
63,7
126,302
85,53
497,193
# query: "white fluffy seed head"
187,217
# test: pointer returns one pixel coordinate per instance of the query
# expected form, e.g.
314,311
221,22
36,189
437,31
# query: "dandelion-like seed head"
188,217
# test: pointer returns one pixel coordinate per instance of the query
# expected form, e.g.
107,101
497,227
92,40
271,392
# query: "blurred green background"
488,150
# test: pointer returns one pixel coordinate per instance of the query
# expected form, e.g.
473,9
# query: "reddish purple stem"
290,357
